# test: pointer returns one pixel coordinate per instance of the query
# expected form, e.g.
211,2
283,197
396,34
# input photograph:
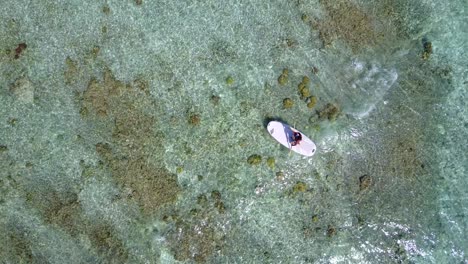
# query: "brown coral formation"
347,22
130,153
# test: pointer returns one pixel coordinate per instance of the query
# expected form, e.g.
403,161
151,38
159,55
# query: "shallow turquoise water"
126,129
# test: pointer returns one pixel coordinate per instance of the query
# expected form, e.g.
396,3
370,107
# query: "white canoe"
283,134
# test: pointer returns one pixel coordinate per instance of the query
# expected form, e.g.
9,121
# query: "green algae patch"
299,187
202,200
312,101
220,206
215,99
218,203
194,119
427,49
3,148
303,88
106,9
229,80
12,121
304,92
364,182
315,218
216,195
279,176
254,159
288,103
271,162
331,231
283,78
179,170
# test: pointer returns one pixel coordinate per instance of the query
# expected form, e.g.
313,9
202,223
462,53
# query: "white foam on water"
368,84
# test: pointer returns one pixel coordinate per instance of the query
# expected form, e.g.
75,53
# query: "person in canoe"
296,138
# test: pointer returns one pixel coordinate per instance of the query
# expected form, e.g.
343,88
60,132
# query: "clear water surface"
134,131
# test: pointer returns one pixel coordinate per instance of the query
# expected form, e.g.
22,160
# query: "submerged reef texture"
134,131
